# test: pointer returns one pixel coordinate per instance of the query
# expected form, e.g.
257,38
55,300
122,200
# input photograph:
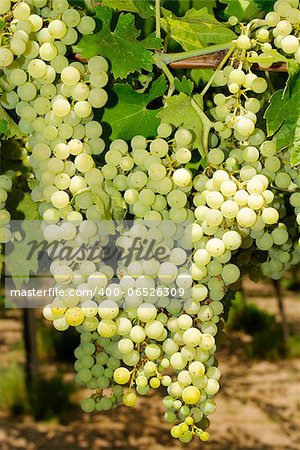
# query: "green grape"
88,405
86,26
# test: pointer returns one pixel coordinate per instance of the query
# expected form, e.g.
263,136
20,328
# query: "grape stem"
163,66
220,66
269,82
204,119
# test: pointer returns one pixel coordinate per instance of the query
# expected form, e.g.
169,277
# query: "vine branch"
210,58
170,58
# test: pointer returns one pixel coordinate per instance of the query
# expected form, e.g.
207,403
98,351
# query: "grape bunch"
152,332
152,177
283,22
149,322
96,360
54,101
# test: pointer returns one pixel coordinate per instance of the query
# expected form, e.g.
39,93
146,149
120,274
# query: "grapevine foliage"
130,111
196,29
127,54
183,111
111,142
282,117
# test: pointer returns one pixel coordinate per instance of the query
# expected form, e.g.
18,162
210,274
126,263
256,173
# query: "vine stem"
170,77
90,7
157,19
222,63
173,57
163,66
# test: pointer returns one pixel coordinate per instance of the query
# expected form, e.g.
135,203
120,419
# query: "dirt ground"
258,406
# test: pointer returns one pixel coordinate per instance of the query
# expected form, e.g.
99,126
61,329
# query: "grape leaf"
265,5
209,4
145,8
17,265
179,8
244,10
184,85
283,117
3,127
227,301
130,116
201,76
195,163
118,204
120,5
26,206
102,202
197,29
184,111
142,7
267,59
12,128
121,46
295,153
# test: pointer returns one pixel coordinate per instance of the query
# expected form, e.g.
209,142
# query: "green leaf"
265,5
293,68
295,153
283,117
201,76
142,7
102,202
28,207
184,111
184,85
130,116
227,301
121,46
32,183
196,162
26,212
145,8
179,8
209,4
273,114
197,29
244,10
118,204
17,263
21,207
13,129
267,59
2,24
120,5
2,260
3,127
